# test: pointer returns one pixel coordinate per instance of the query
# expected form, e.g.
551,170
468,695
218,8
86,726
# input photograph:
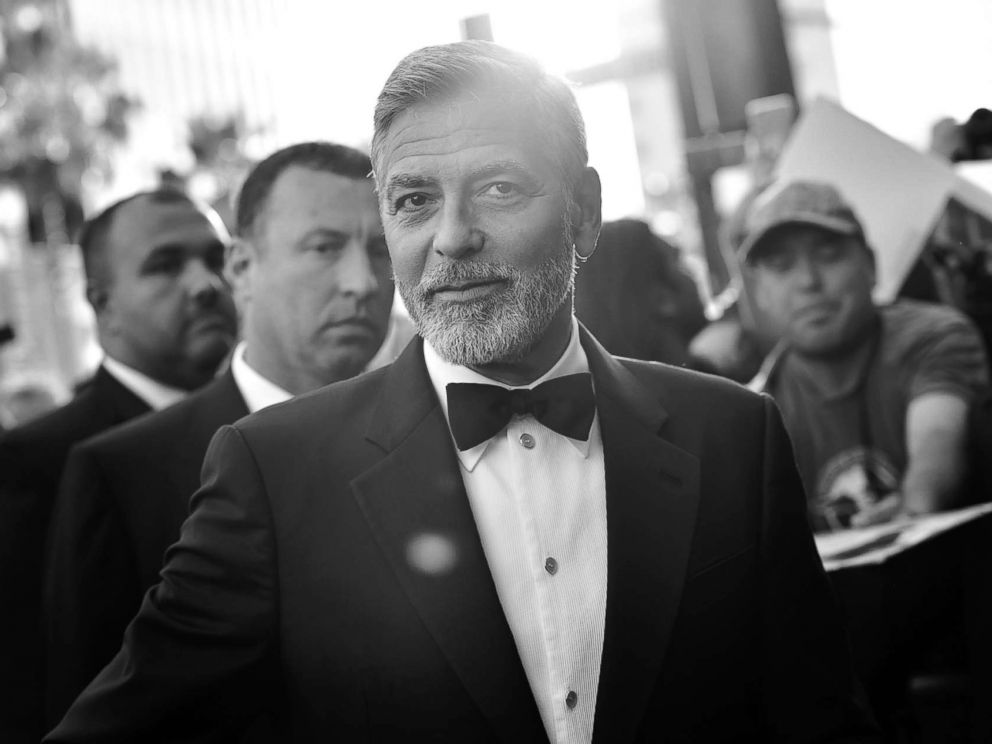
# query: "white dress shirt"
153,392
539,502
257,391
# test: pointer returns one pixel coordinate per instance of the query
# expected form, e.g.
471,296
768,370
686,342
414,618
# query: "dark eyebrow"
167,252
403,181
325,231
167,249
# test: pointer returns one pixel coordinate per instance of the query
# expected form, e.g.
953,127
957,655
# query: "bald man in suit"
165,321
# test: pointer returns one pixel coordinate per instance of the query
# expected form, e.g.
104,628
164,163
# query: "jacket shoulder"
334,405
136,434
678,381
182,424
50,436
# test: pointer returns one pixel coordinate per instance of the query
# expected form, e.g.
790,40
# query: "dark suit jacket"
124,496
719,622
31,462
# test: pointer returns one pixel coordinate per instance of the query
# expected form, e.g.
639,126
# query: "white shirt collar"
258,392
153,392
572,361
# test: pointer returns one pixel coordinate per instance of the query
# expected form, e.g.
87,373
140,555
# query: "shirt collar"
153,392
572,361
259,392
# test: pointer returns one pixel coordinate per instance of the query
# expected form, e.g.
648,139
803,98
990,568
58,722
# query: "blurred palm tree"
221,162
62,112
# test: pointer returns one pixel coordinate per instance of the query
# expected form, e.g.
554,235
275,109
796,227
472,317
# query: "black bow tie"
476,412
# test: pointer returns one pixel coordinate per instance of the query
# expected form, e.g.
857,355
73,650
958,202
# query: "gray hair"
482,70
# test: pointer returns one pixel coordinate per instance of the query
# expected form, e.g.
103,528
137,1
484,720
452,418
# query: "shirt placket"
530,464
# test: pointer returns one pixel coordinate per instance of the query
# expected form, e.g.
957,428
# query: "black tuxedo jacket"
31,462
719,621
123,499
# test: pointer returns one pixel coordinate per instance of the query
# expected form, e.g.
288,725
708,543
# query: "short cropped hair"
482,70
92,238
319,156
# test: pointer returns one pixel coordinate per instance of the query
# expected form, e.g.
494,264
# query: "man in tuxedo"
311,275
165,321
508,534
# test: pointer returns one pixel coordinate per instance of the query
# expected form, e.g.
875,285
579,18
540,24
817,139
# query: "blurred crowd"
887,406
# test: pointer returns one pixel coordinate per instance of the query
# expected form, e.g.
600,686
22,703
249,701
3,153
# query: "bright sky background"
563,34
903,64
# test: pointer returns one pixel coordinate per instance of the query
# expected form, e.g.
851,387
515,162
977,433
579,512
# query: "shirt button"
527,441
571,700
551,566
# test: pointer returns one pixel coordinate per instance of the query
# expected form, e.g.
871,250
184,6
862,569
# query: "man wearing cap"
875,397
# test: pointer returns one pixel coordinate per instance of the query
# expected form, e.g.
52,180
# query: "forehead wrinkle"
463,125
503,165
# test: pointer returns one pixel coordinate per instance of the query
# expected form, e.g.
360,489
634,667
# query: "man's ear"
101,299
238,260
587,216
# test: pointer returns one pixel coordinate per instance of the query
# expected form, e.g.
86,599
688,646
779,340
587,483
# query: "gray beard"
504,325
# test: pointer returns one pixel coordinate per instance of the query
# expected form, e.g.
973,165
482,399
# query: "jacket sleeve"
809,683
24,510
91,585
193,662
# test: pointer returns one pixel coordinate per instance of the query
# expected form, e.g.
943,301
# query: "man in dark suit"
507,535
165,320
311,274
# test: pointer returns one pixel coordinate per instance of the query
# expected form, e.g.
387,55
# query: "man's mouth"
212,322
355,326
466,291
816,313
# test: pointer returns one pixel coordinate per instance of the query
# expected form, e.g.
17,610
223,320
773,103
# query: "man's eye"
171,265
410,201
777,262
328,247
829,252
503,188
214,258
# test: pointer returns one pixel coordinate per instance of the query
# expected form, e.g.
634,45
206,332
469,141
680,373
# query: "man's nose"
202,282
807,272
355,273
456,235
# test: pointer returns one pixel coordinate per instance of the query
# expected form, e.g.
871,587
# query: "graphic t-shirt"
850,441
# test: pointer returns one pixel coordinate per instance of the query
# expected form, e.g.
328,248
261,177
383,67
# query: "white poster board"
898,192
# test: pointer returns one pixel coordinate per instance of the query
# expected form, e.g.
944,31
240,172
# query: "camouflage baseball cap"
799,203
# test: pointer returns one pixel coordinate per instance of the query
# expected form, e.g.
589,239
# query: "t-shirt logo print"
852,481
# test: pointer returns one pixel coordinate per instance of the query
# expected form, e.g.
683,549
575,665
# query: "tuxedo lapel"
415,503
651,499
